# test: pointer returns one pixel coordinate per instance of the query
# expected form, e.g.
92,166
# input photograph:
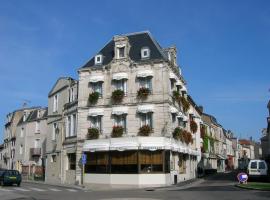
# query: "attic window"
145,52
121,52
98,59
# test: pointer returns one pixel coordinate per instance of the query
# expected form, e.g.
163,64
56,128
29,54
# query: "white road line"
54,189
72,190
22,189
37,189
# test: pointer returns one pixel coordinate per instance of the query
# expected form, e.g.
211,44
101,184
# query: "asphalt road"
218,187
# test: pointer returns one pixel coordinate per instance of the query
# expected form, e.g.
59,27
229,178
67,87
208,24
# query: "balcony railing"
35,151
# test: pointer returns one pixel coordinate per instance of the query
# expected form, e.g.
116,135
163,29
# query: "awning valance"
122,144
146,108
96,112
180,115
178,82
173,110
155,143
145,73
184,88
119,76
96,145
119,110
173,76
185,118
97,78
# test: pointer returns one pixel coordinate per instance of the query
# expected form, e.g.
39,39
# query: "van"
10,177
257,168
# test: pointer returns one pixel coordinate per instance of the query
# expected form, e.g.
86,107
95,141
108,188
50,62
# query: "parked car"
10,177
257,169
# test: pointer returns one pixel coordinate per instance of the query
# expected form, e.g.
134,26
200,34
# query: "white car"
257,168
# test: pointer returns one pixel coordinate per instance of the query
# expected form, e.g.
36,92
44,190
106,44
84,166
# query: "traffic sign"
242,177
84,159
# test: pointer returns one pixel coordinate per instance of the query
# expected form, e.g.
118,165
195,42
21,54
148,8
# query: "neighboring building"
1,155
126,131
9,151
30,145
265,140
246,153
62,130
235,151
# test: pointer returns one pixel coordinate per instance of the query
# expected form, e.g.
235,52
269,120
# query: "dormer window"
145,52
121,52
98,59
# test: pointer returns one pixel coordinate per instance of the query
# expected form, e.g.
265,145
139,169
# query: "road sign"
242,177
83,159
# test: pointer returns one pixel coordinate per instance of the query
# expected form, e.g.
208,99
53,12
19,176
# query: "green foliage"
177,133
193,126
117,131
93,133
185,104
143,93
93,98
117,96
145,130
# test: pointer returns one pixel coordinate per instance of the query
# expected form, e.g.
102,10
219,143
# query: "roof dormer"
121,45
98,59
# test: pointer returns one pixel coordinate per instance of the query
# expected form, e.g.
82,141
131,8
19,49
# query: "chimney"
201,108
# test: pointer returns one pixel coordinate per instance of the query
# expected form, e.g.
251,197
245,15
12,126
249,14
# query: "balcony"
35,151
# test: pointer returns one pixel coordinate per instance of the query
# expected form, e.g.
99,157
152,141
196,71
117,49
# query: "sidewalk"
54,184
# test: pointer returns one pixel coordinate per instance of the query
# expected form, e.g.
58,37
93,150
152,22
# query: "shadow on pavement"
229,176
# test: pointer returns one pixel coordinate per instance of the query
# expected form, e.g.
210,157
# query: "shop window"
151,161
71,161
97,162
182,164
124,162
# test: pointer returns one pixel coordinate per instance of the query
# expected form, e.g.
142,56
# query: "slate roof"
137,41
33,116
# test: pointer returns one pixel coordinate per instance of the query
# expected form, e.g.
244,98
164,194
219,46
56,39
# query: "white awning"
122,144
146,108
94,79
154,143
184,88
96,145
119,76
173,76
180,115
173,110
178,82
119,110
185,118
96,112
145,73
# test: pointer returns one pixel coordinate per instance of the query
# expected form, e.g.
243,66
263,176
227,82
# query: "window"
97,87
261,165
253,165
173,120
145,52
121,52
146,119
98,59
55,128
71,125
53,158
145,82
97,162
37,143
182,163
37,127
120,120
24,117
124,162
38,114
181,122
71,161
151,161
21,149
74,125
55,103
121,85
172,84
95,122
71,95
22,132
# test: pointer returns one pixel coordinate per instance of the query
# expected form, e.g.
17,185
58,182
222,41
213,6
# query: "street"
219,187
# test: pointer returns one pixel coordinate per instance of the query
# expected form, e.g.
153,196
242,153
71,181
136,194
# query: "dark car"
10,177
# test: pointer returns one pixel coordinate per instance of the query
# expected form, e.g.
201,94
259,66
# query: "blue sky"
223,48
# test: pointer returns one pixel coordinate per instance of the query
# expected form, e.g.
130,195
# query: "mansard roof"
137,41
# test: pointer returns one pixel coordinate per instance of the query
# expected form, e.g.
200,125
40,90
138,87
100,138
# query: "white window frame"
118,52
146,119
53,158
74,125
98,59
143,50
96,122
120,120
121,85
54,131
145,82
97,87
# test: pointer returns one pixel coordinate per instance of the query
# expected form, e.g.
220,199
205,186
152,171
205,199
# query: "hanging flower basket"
117,96
143,93
145,130
93,133
176,95
203,132
117,131
187,137
177,133
93,97
193,126
184,102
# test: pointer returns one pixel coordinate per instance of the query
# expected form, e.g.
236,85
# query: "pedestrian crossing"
36,189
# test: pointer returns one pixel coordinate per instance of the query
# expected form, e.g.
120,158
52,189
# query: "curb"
57,185
246,188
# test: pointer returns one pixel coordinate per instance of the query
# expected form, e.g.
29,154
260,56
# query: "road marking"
22,189
37,189
72,190
54,189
